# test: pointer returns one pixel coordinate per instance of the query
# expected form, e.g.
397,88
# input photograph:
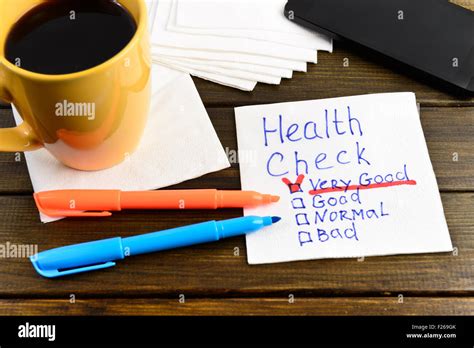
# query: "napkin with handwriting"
179,144
353,173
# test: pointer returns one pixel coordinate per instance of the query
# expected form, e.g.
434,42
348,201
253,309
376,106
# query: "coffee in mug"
79,74
67,36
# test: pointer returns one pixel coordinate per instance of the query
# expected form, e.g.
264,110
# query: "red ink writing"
296,186
362,187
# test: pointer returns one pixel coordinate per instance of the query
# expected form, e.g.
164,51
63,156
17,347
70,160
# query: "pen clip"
57,273
74,213
68,213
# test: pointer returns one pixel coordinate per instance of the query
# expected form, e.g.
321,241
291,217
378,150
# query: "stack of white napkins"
237,43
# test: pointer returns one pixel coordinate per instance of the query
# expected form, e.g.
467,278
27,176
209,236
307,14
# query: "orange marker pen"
93,203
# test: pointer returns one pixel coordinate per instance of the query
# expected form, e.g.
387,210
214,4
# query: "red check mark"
296,186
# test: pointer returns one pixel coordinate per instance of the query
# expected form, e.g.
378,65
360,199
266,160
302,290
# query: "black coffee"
66,36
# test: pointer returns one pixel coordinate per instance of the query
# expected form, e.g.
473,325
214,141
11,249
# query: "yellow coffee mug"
118,90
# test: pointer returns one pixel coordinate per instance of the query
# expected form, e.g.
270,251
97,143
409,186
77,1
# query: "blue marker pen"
100,254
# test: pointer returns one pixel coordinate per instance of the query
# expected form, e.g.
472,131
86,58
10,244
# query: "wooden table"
215,279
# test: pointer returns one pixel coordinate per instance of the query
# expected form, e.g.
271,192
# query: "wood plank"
469,4
365,306
214,270
447,130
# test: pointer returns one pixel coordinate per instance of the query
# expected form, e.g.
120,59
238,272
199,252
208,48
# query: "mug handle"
21,138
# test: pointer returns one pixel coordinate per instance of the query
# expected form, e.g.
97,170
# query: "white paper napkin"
234,57
279,30
237,14
234,82
258,69
162,37
179,144
263,78
242,84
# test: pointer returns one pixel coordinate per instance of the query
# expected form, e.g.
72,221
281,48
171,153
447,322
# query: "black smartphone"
434,36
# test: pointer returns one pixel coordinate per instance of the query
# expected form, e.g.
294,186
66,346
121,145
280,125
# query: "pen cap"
65,202
78,258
